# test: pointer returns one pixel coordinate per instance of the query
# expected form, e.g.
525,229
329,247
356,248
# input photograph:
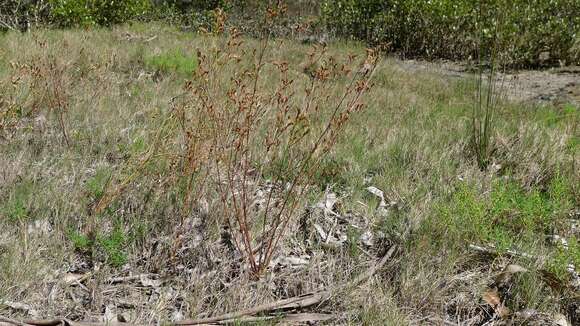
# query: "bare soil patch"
557,86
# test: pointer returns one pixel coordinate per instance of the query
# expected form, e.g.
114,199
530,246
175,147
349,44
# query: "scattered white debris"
575,276
109,316
74,278
293,262
39,227
145,281
377,192
561,320
330,239
506,275
367,238
526,313
40,122
382,207
321,232
327,205
558,240
21,307
177,315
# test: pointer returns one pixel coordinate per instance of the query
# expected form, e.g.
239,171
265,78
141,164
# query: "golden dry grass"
411,141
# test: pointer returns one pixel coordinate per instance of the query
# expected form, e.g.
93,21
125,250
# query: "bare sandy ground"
557,86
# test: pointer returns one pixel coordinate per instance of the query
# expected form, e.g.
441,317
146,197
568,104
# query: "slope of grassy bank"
86,113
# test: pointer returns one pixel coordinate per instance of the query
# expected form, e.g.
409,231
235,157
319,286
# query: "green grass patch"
176,60
16,207
563,257
80,241
552,117
109,247
113,246
508,217
97,184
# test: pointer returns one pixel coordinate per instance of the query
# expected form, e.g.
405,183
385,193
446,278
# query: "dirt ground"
557,86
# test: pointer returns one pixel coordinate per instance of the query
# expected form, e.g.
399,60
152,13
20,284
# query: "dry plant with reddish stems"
9,108
244,135
39,86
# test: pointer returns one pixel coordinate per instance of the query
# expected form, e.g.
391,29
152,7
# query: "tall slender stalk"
489,88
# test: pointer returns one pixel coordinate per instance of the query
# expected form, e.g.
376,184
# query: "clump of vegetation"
106,247
509,217
22,14
113,246
489,94
536,32
96,12
173,61
16,208
97,184
245,118
42,85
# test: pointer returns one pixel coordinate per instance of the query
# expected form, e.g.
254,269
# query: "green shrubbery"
21,14
96,12
530,32
17,14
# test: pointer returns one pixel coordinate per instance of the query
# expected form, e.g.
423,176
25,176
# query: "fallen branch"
57,322
299,317
6,320
130,278
495,252
294,303
6,25
301,301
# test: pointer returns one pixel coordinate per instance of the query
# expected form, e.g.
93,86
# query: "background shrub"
185,5
96,12
531,32
20,14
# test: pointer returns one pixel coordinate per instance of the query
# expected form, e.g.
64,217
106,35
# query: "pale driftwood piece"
295,302
493,251
304,317
8,321
57,322
129,278
298,317
224,319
